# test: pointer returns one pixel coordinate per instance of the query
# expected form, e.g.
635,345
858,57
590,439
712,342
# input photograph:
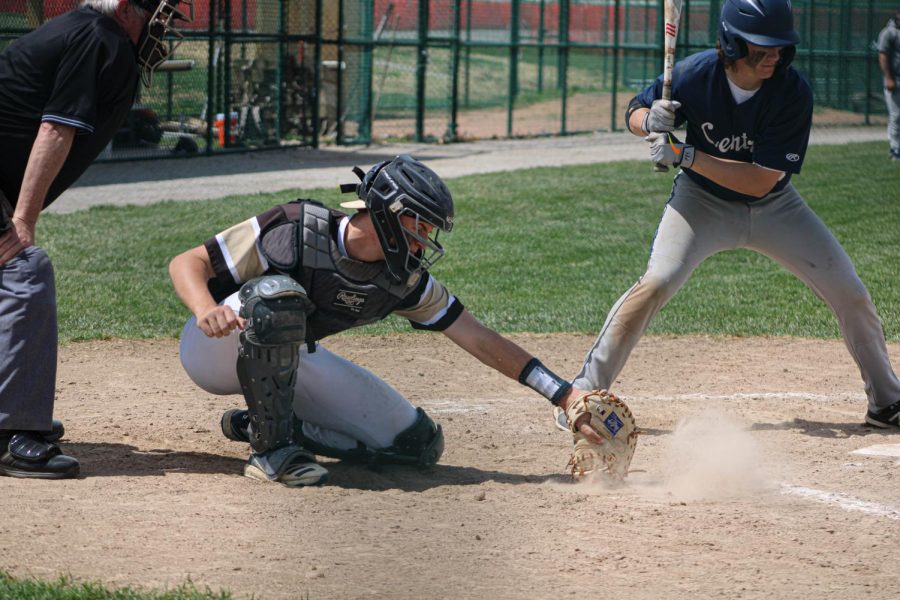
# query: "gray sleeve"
885,40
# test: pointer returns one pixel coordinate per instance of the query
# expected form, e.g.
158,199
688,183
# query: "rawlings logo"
792,157
613,424
734,143
350,300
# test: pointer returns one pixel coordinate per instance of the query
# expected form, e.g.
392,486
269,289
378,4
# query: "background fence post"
421,69
513,64
540,41
279,69
450,135
339,87
615,68
210,76
563,62
317,76
468,48
226,76
870,32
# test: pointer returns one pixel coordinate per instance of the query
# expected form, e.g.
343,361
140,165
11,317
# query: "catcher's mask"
154,48
404,186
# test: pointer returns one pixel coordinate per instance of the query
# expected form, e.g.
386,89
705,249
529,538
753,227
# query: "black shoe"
886,417
28,454
236,425
57,431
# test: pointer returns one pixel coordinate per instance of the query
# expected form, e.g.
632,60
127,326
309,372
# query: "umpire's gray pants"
694,226
892,99
28,337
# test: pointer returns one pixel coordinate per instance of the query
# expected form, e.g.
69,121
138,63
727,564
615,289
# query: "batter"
748,115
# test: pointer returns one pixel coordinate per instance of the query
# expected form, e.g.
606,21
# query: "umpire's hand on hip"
17,237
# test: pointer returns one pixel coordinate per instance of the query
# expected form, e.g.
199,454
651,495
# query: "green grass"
66,588
542,250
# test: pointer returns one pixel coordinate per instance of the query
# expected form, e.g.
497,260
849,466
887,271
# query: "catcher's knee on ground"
275,308
420,444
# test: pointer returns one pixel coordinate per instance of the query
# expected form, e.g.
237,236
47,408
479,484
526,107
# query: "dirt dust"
743,484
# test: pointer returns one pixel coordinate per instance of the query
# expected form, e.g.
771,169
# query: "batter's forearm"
636,121
741,177
48,154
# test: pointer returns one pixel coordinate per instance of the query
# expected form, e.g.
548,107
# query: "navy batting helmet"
764,23
404,186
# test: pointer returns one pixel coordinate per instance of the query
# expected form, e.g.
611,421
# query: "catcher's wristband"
544,381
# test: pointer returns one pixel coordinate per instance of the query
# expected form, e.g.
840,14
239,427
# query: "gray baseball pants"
892,99
28,337
694,226
338,401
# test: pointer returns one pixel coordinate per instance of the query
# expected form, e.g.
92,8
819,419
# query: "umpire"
65,88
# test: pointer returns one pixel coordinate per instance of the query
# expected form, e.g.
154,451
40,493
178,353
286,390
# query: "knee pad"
421,444
275,309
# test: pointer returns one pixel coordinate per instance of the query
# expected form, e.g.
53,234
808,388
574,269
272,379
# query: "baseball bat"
670,31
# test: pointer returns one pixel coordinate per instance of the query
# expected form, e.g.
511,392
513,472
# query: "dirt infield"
756,495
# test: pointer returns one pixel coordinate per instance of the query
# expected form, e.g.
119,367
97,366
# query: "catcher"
266,291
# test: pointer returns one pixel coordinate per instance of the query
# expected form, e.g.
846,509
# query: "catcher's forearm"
544,381
189,274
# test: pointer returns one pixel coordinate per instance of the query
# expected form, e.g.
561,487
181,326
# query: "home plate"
892,450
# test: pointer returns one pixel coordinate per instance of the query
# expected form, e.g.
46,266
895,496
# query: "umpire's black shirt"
79,69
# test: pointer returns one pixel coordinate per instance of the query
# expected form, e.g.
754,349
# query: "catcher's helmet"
766,23
153,49
404,186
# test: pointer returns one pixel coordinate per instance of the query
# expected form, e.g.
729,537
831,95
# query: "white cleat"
291,466
559,419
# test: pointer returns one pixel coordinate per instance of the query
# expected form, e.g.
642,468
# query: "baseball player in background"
266,291
65,89
748,115
889,63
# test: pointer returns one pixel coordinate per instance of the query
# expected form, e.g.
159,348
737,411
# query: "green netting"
356,71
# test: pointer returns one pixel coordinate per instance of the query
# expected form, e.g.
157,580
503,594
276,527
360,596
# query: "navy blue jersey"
771,129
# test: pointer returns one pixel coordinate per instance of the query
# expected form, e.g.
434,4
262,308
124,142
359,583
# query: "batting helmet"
404,186
153,49
764,23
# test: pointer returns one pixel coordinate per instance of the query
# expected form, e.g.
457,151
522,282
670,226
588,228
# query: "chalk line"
845,501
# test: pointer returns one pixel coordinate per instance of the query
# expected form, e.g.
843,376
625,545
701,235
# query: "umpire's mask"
153,47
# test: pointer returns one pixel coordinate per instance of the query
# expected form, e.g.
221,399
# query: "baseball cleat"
291,466
559,419
886,417
57,431
236,425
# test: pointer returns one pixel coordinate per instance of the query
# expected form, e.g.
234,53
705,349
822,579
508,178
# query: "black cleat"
27,454
57,431
886,417
236,425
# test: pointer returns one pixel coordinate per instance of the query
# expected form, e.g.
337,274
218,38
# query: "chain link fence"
306,72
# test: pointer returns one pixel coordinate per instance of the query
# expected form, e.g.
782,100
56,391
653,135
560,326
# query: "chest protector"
347,293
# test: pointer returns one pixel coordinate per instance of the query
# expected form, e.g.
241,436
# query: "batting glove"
665,149
661,116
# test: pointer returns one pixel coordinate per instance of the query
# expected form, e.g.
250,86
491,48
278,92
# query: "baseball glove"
612,419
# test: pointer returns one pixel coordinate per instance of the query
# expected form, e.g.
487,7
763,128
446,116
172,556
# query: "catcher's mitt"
612,419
